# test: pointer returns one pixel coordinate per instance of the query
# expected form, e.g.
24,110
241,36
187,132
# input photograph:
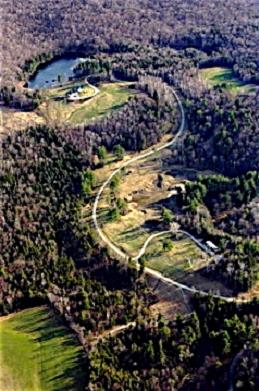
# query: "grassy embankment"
111,97
37,353
225,77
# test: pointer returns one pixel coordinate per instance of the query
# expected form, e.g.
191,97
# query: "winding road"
125,256
127,163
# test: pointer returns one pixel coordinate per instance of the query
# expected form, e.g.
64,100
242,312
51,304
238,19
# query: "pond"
55,73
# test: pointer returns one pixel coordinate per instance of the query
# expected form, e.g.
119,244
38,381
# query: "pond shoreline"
56,68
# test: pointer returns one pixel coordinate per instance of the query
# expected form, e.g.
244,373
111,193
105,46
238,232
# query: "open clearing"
112,96
138,187
218,76
184,257
37,353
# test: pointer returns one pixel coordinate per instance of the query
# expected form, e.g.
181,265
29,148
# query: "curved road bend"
134,159
121,253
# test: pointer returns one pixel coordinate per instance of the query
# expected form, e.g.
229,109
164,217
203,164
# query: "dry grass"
170,300
252,293
127,232
139,188
18,120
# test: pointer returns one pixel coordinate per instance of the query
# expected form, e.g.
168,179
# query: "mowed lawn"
37,353
184,257
225,76
111,97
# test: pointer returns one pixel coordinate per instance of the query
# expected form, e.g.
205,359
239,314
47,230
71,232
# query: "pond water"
48,76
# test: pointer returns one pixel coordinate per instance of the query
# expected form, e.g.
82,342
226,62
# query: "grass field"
111,97
37,353
225,76
185,256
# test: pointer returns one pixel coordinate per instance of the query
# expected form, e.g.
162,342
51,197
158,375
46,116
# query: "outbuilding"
212,246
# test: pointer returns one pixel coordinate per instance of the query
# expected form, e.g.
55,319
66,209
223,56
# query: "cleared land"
184,257
222,76
144,198
112,96
138,186
39,354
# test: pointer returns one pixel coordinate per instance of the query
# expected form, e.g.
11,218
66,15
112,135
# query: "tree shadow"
61,358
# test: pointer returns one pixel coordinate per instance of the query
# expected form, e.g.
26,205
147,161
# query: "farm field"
222,76
37,353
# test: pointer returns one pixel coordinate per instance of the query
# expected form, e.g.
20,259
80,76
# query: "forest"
226,30
157,355
48,256
42,235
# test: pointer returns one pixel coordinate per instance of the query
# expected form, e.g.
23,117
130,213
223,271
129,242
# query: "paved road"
121,253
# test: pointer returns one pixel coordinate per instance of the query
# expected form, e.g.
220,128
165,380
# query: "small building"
212,246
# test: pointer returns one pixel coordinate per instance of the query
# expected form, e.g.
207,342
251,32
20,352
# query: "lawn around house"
37,353
56,110
112,96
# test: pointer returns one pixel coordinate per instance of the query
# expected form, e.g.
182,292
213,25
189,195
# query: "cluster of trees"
223,133
242,221
33,64
40,181
214,196
189,353
96,299
19,99
246,371
220,193
230,202
137,125
93,66
238,268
